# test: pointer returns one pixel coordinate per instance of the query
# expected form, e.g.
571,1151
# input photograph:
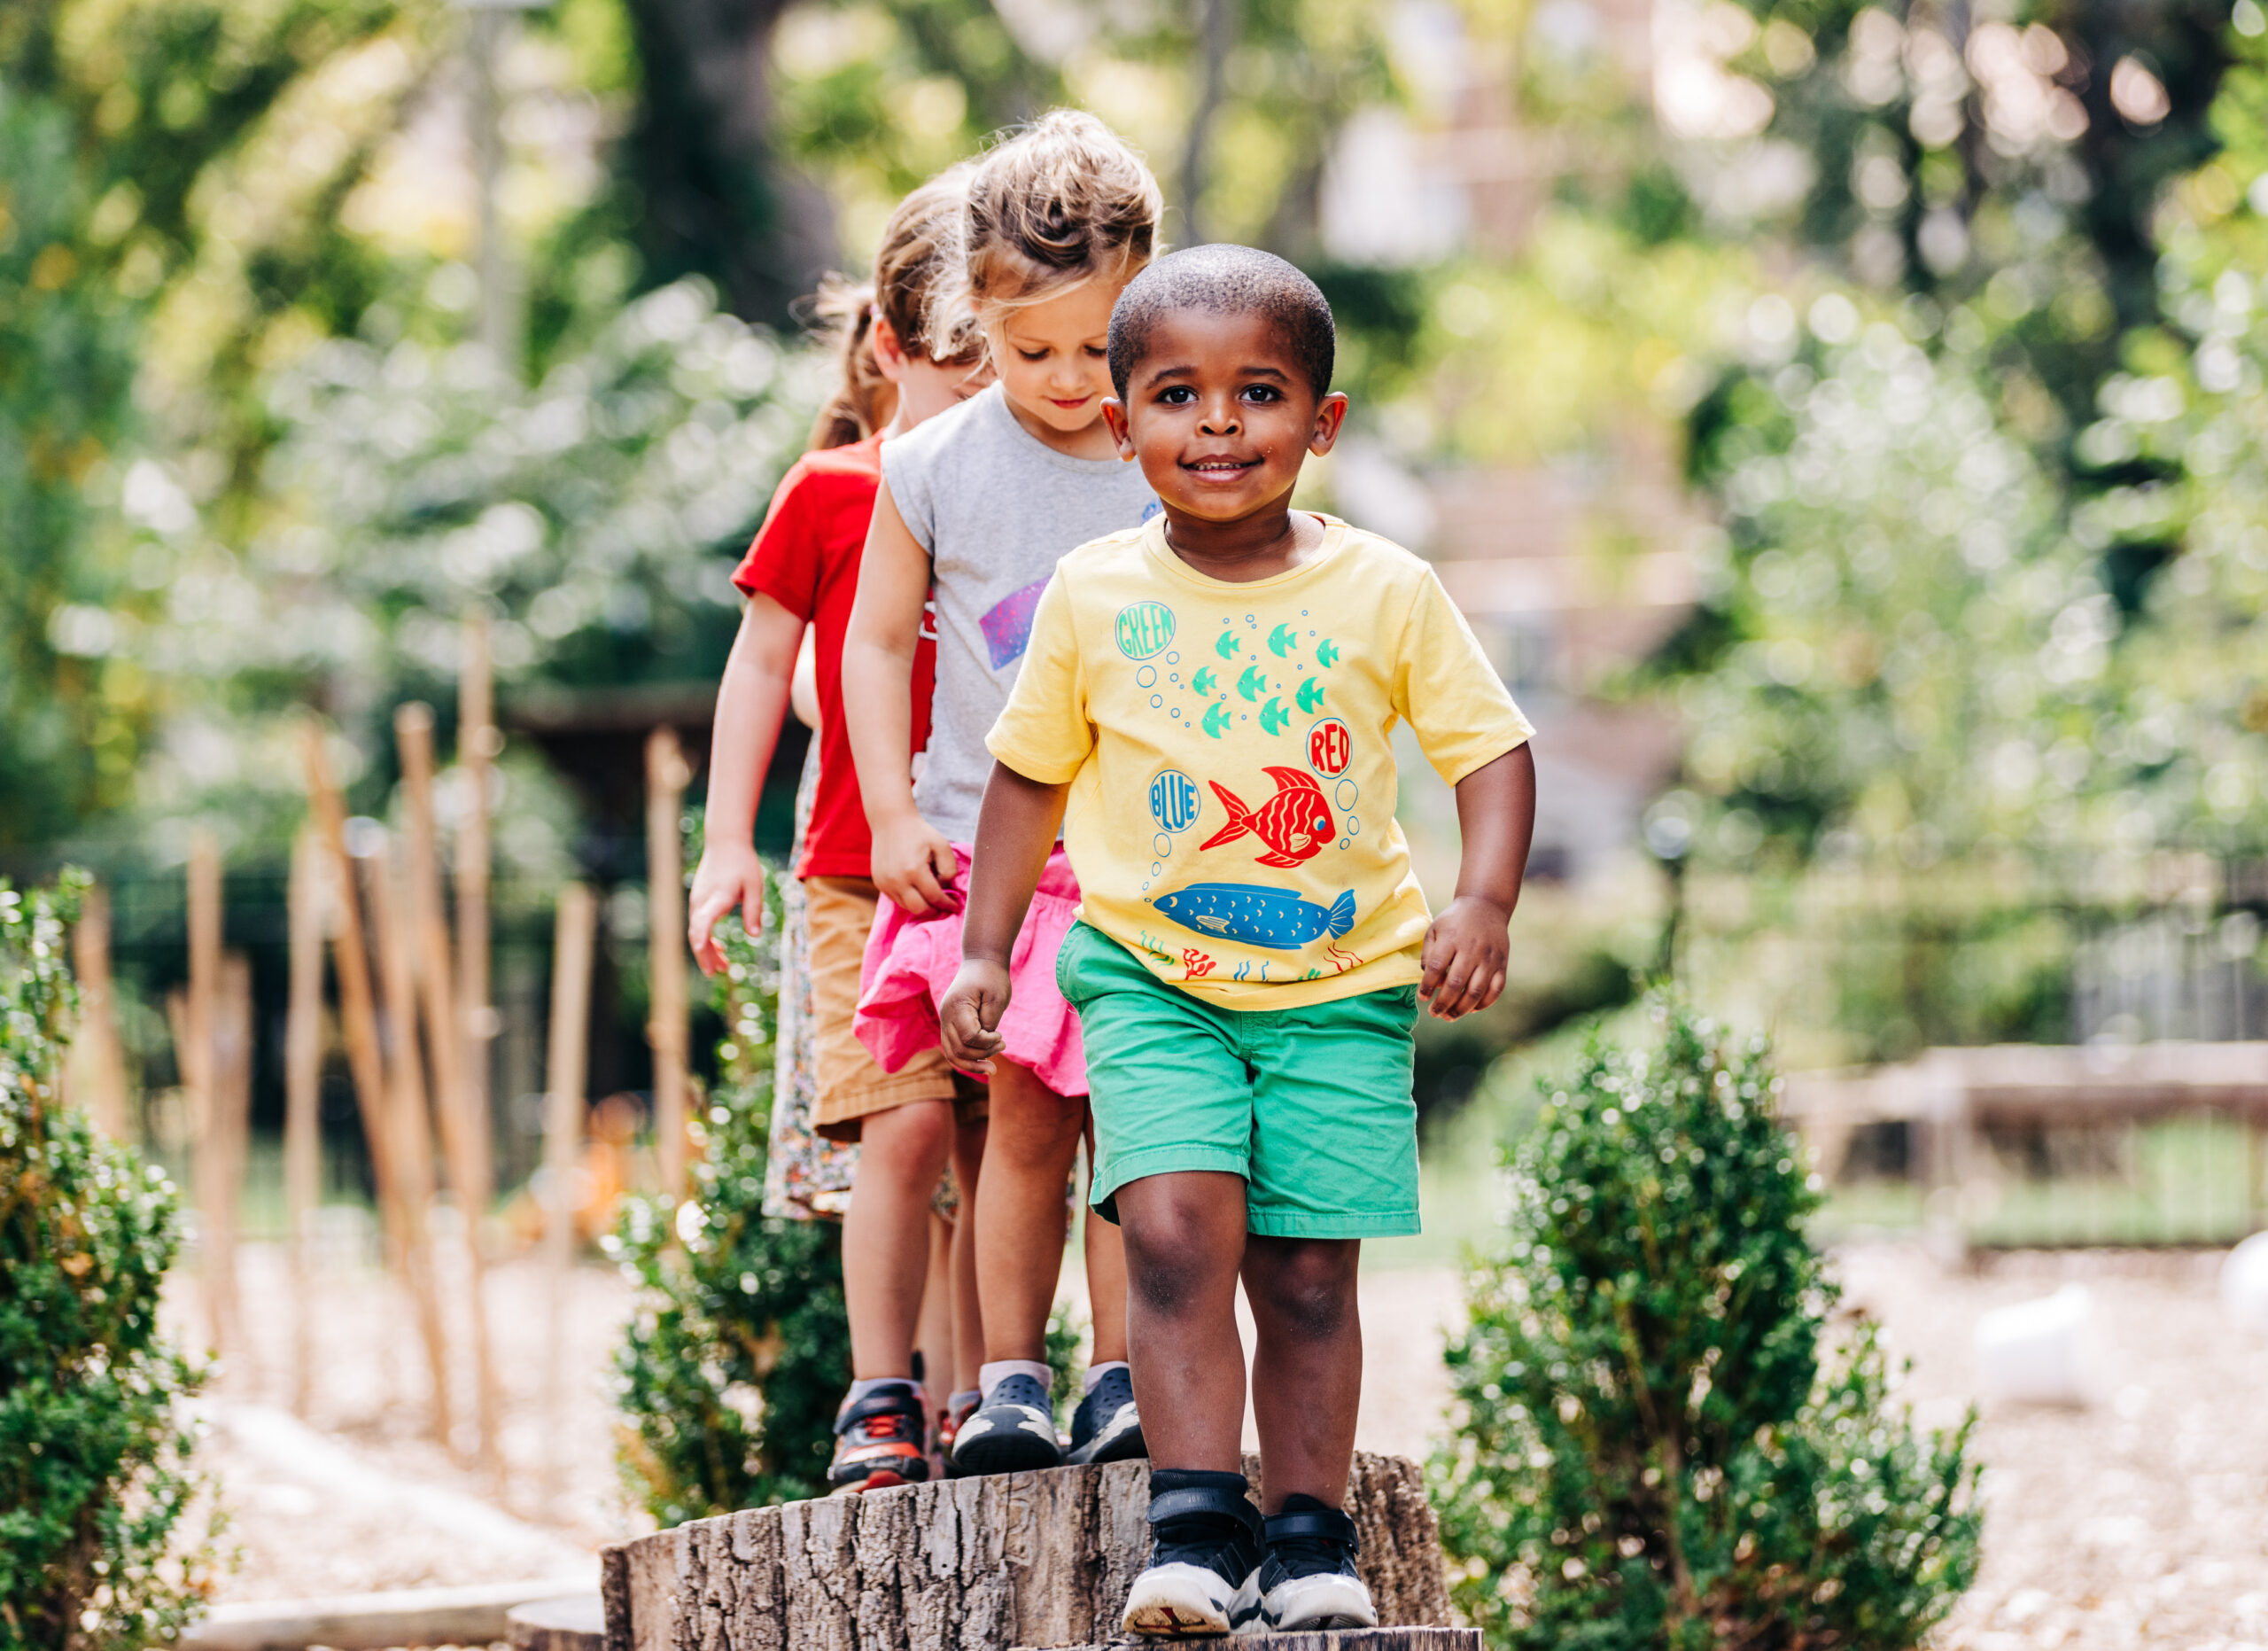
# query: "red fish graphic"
1295,823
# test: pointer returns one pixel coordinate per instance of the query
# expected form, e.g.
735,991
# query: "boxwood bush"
1657,1439
96,1483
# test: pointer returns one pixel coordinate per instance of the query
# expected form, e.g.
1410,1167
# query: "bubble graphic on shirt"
1342,842
1353,826
1146,677
1174,658
1156,700
1161,845
1155,867
1347,793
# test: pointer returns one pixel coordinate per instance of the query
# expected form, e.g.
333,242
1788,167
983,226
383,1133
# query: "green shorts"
1310,1105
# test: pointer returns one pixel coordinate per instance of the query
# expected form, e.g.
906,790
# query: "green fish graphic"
1226,644
1203,682
1253,683
1273,718
1326,653
1281,641
1311,696
1216,721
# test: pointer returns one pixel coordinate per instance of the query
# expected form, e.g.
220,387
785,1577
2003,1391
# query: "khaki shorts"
852,1084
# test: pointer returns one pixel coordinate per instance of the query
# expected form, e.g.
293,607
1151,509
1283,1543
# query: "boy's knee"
1310,1289
1174,1256
916,1133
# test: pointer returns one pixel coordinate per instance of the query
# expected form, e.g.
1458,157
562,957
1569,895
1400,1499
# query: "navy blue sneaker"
1013,1433
1107,1428
1205,1553
1309,1580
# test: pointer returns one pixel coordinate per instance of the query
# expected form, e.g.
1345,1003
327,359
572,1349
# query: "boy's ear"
1113,414
1330,414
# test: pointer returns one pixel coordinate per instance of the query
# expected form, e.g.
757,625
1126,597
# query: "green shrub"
95,1479
1648,1448
738,1351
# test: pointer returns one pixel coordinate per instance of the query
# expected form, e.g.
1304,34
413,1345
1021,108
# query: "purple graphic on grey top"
1007,625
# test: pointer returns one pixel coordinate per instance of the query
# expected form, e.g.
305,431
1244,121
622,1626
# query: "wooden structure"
1338,1639
1950,1098
985,1564
575,1623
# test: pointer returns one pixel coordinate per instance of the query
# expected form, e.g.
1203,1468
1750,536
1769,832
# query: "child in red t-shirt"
803,570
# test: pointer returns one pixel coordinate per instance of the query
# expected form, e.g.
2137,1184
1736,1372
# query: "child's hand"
1464,956
730,875
913,865
967,1019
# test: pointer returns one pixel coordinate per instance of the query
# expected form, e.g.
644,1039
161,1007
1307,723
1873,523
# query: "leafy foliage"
1650,1448
732,1368
95,1479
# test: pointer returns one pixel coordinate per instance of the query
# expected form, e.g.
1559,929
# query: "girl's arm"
802,692
1014,834
1466,948
750,704
912,862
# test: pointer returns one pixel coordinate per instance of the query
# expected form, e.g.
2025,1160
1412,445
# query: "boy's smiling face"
1220,413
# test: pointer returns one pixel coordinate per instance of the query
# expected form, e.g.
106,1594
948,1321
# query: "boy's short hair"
1227,280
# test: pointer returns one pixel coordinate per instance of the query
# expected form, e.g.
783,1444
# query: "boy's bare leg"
935,1335
1031,1139
968,1319
1105,1254
886,1232
1185,1239
1307,1367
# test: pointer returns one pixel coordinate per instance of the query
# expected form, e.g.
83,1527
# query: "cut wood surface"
576,1623
1335,1639
1031,1558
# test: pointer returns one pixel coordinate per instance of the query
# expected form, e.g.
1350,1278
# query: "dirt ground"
2140,1519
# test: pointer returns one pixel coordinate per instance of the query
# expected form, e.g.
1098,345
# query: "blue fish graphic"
1254,915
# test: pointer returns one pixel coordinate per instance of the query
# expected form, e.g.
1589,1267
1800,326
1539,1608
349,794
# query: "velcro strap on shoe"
1169,1505
889,1401
1326,1522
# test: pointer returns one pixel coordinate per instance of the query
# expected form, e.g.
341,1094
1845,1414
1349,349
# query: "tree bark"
1018,1560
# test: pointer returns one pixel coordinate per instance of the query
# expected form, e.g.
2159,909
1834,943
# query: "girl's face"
925,387
1054,357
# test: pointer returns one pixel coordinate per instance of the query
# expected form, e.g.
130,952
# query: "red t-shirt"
805,557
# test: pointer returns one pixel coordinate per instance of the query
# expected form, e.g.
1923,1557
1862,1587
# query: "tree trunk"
1338,1639
1018,1560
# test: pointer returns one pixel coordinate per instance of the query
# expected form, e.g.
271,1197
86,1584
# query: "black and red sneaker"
881,1440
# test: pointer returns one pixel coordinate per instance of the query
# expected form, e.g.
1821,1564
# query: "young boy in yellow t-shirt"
1208,708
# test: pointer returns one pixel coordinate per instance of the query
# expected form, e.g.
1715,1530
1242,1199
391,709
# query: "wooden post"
563,1146
667,776
477,746
408,1133
95,1078
198,1069
302,1097
463,1132
228,1141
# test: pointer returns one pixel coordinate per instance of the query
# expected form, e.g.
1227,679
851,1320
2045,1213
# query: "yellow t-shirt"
1230,757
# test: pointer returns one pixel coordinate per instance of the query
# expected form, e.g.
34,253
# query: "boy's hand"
913,864
1464,956
970,1013
730,875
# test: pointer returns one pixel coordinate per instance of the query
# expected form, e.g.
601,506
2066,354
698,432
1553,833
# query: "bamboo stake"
199,1071
452,1105
302,1095
667,776
97,1079
477,745
229,1136
408,1134
562,1145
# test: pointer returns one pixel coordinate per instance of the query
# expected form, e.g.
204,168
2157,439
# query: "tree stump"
574,1623
1338,1639
1015,1559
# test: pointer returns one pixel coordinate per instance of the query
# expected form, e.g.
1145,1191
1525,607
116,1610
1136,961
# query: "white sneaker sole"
1308,1603
1170,1602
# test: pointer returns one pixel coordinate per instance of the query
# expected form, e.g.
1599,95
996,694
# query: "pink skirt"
911,961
